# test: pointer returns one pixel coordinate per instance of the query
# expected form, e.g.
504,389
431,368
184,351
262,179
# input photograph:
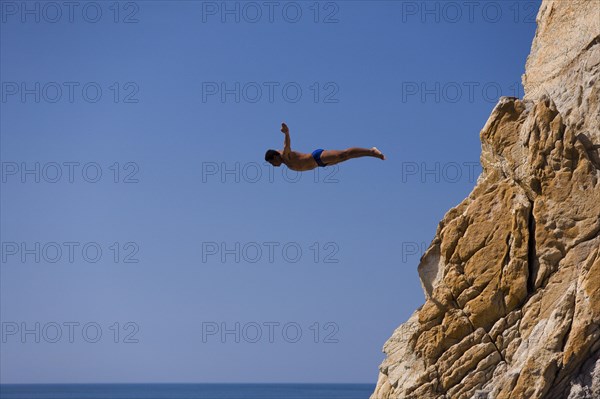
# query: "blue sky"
144,139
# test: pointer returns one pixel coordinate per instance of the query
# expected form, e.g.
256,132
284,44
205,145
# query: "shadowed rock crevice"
531,256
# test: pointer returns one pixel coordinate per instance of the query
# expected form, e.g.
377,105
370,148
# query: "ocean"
186,391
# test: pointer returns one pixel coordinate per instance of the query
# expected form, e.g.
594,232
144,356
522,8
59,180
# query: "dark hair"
271,155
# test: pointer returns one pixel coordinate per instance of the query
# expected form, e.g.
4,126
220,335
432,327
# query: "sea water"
186,391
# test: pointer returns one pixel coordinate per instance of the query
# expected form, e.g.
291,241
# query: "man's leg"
331,157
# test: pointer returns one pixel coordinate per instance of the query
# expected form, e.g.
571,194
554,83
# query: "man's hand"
287,148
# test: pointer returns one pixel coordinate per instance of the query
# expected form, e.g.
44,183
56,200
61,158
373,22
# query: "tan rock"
512,277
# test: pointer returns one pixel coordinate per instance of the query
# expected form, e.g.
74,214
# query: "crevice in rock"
591,150
588,237
591,44
473,329
438,387
531,252
497,349
544,283
505,263
563,383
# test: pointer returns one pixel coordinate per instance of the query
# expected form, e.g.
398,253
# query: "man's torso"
299,161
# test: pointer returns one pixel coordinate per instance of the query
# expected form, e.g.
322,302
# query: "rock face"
512,277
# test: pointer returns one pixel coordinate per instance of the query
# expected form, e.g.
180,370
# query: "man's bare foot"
378,153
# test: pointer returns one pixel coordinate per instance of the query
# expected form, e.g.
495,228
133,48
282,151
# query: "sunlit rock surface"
512,276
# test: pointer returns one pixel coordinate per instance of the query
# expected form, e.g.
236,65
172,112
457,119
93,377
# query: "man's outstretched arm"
287,148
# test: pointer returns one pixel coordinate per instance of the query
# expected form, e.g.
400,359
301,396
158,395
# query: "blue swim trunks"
316,154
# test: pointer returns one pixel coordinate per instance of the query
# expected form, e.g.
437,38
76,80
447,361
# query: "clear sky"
136,202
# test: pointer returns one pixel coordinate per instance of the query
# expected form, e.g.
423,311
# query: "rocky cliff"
512,276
